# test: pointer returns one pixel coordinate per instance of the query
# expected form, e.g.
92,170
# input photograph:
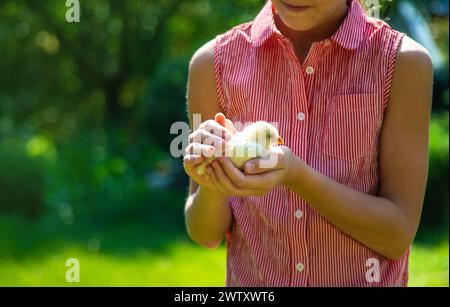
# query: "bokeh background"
85,112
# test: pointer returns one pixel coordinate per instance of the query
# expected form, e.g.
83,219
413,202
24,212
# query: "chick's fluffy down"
253,142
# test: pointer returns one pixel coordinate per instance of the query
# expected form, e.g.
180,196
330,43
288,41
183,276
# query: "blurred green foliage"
435,213
85,112
99,96
21,181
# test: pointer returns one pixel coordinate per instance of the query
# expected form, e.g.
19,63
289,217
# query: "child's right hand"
204,143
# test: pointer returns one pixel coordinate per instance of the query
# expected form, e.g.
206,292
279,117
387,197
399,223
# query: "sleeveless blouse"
329,110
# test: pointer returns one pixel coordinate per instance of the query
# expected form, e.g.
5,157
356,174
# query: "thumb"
255,167
273,161
221,119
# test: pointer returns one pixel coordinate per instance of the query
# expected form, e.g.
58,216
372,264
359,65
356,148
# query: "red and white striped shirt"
329,110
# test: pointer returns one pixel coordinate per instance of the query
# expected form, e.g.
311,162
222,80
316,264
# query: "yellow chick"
253,142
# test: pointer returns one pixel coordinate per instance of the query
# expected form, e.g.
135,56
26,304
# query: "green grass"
181,264
429,266
153,253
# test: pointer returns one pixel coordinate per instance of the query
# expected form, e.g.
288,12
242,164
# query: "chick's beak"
280,141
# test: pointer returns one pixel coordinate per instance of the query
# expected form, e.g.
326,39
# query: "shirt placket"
299,265
303,108
312,67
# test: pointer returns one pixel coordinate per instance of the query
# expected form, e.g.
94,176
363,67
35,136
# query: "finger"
204,137
233,173
215,128
200,149
230,126
220,119
256,166
203,179
223,179
192,160
240,182
201,169
214,181
268,178
274,161
225,122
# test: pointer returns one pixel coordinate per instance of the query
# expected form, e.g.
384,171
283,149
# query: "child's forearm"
208,217
375,221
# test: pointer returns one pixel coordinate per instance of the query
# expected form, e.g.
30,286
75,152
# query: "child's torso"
329,110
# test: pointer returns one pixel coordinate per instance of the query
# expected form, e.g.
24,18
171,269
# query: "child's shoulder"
205,54
379,27
237,33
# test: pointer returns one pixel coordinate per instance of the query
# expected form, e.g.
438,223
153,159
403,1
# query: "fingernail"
250,167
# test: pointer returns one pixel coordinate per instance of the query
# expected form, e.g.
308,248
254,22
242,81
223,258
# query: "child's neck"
303,40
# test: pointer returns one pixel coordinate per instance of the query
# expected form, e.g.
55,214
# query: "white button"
309,70
299,267
327,43
299,214
301,116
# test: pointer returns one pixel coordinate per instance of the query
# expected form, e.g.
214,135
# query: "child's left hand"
258,179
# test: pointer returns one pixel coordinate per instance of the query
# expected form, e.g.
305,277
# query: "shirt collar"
349,34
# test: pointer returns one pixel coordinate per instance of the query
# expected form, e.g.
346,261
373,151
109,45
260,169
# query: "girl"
352,99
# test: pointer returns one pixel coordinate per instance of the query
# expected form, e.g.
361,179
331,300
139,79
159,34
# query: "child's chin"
298,24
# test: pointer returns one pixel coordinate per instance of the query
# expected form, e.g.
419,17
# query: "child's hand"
205,142
258,179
